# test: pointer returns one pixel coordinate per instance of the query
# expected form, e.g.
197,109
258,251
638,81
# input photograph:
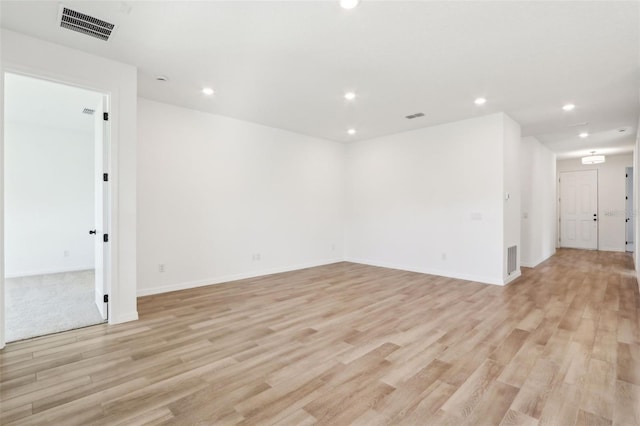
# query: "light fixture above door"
593,158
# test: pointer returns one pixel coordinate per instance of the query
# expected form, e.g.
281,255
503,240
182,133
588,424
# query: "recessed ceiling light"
568,107
584,135
162,78
480,101
351,131
349,4
207,91
349,96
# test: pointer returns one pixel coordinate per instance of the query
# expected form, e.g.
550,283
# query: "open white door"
101,206
629,238
579,209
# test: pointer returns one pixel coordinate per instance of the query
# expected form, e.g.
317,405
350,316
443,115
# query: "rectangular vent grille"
88,111
512,259
416,115
85,24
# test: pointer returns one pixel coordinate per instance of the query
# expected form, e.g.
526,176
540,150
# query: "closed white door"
579,209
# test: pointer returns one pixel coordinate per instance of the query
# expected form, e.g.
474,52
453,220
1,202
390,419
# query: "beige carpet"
46,304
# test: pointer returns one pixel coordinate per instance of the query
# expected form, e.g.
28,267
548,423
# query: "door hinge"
626,198
105,177
105,238
105,116
626,175
105,298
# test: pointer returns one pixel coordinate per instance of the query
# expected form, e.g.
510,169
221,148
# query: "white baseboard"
229,278
47,271
512,277
535,262
131,316
448,274
616,249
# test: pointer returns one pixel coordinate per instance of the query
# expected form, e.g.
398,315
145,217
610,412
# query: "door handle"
93,231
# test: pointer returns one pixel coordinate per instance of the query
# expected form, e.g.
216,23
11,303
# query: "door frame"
559,207
110,192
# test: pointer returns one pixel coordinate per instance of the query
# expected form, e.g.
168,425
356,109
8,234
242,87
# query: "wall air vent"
85,24
88,111
416,115
512,259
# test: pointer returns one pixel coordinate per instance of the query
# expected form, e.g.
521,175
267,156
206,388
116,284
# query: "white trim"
130,316
48,271
448,274
535,262
616,249
512,277
229,278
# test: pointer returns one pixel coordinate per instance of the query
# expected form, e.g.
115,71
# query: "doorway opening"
56,207
579,209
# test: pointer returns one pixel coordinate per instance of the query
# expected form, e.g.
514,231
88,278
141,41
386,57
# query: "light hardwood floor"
351,344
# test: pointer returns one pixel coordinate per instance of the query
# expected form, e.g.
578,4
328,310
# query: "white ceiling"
287,64
47,104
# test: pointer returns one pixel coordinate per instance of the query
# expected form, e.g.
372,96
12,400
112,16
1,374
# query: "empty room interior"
325,212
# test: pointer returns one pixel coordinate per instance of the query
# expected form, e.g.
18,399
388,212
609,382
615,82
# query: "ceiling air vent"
584,123
88,111
416,115
85,24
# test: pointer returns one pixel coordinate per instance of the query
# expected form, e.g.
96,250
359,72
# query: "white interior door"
630,246
101,205
579,209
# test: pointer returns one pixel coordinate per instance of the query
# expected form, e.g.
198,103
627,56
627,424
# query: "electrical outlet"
66,253
333,247
444,256
161,267
255,256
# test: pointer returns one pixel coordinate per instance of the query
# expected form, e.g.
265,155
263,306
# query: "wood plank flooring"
351,344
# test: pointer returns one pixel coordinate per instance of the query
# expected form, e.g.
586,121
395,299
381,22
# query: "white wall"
511,194
214,191
636,202
26,55
611,197
539,220
49,199
2,315
430,200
